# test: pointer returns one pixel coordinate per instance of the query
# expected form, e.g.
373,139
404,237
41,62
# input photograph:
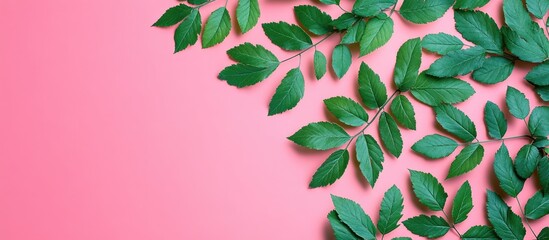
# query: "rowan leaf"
353,216
378,31
370,8
390,134
479,28
331,170
390,211
319,63
320,136
435,91
288,93
345,21
354,33
217,27
480,233
287,36
456,122
341,231
494,70
463,203
466,160
441,43
469,4
347,111
341,60
527,160
538,8
537,206
427,226
435,146
404,112
186,34
313,19
371,89
173,15
543,179
407,64
242,75
538,124
508,179
518,104
507,224
424,11
539,75
428,190
459,62
253,55
525,47
247,14
495,120
370,158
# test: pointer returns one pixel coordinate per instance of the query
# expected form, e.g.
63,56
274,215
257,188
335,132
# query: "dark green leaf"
428,190
543,92
371,89
390,211
425,226
197,2
354,33
518,104
466,160
424,11
287,36
456,122
347,111
435,146
459,62
341,60
527,160
479,28
320,136
345,21
330,1
173,15
543,167
253,55
463,203
319,64
538,123
538,8
313,19
331,170
537,206
495,120
370,158
539,75
541,142
288,93
242,75
516,16
469,4
544,234
378,31
186,33
401,238
435,91
525,48
247,14
509,181
404,112
494,70
480,233
352,214
407,64
217,28
370,8
441,43
506,223
390,134
341,231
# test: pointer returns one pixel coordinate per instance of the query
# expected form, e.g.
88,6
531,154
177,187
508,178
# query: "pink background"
108,135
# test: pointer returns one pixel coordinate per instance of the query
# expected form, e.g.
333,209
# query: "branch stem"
452,224
495,140
525,219
306,49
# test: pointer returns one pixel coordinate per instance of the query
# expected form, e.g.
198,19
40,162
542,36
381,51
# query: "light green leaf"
390,134
345,21
370,8
494,70
186,33
456,122
217,27
288,93
459,62
509,181
319,63
539,75
247,14
347,111
354,33
428,190
378,31
527,160
480,233
507,224
543,167
466,160
341,60
441,43
173,15
371,89
538,8
370,158
525,48
331,170
390,211
469,4
518,104
407,64
353,216
425,226
435,146
435,91
404,112
341,231
320,136
479,28
242,75
538,123
287,36
537,206
424,11
495,120
463,203
313,19
253,55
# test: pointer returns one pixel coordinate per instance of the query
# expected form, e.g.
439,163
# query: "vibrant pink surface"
108,135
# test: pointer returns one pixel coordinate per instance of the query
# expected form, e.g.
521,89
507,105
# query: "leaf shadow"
328,232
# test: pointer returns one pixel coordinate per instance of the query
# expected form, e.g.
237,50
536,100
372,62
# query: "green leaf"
541,142
217,28
407,64
495,120
516,16
401,238
287,36
456,122
441,43
480,233
425,226
538,8
463,203
539,75
537,206
253,55
347,111
494,70
543,92
345,21
466,160
527,160
518,104
378,31
544,234
370,158
319,63
459,62
173,15
404,112
479,28
424,11
528,37
330,2
371,89
352,214
247,14
197,2
242,75
331,170
390,211
469,4
341,231
509,181
525,48
354,33
543,167
435,146
538,124
370,8
341,60
186,33
390,134
507,224
320,136
435,91
313,19
428,190
288,93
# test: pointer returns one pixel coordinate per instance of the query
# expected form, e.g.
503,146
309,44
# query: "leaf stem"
525,219
453,225
306,49
496,140
206,3
342,9
393,10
